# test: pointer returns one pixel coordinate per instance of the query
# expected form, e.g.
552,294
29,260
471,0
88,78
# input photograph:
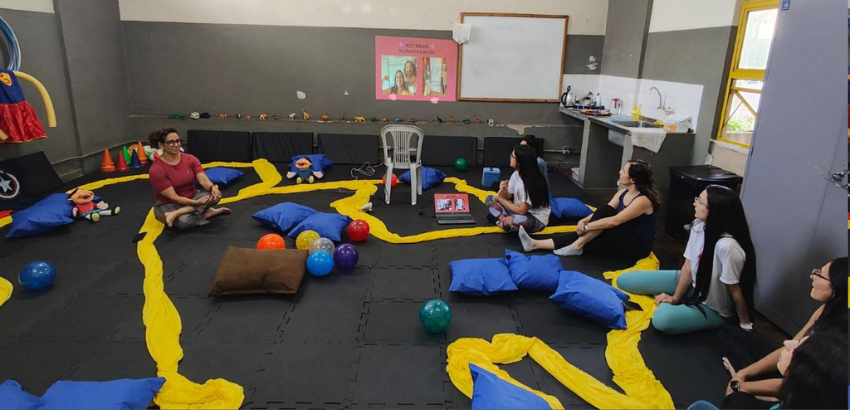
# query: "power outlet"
565,150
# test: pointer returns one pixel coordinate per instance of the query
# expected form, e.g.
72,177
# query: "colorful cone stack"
134,161
107,165
122,163
126,153
142,156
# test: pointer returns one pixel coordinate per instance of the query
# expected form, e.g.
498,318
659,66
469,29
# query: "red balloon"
393,181
271,241
358,230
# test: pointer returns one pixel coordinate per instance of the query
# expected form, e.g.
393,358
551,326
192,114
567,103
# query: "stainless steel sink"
636,124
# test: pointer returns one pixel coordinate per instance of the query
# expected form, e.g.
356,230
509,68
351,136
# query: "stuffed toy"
85,206
304,171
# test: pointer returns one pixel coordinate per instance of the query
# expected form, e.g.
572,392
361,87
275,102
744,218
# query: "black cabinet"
686,183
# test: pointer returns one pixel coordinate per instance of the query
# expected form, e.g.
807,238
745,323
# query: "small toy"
397,119
411,120
478,120
435,316
305,115
275,117
222,116
326,118
248,117
373,119
85,206
263,117
205,115
292,117
304,171
491,122
451,119
195,115
440,120
467,121
359,119
384,119
238,115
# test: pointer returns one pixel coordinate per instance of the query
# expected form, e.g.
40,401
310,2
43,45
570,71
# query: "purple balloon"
346,256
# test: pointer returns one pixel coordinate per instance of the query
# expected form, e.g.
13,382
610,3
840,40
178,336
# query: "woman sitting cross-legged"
756,357
522,201
716,281
625,227
173,175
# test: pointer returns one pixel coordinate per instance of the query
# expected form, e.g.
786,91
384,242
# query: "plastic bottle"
636,112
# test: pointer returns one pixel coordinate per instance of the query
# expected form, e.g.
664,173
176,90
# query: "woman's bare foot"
170,217
216,212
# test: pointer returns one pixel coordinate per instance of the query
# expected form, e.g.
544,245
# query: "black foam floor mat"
348,340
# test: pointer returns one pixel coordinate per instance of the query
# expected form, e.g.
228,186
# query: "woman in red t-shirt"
173,175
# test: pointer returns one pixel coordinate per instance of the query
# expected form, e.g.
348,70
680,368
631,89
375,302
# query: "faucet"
660,100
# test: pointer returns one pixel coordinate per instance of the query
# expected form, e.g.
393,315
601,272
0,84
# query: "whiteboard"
512,57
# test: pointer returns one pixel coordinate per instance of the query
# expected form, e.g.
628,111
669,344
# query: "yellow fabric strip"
5,290
162,321
622,354
91,186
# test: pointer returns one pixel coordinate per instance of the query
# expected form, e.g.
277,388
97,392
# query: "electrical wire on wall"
14,46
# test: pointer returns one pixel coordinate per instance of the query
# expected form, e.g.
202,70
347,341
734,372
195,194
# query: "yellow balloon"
305,238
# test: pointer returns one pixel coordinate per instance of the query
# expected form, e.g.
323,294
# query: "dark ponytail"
641,172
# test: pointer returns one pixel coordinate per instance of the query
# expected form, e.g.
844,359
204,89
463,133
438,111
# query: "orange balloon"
271,241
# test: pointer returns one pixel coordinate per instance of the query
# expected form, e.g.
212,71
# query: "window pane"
751,84
739,120
757,39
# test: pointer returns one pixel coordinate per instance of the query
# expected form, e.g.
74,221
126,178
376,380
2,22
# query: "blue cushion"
568,208
44,215
222,176
430,177
491,392
283,216
591,298
481,277
13,397
113,394
319,162
534,272
327,225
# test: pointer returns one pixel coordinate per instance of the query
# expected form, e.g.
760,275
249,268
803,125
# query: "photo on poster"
398,75
415,69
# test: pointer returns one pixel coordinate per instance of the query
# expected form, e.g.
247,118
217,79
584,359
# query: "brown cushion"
245,271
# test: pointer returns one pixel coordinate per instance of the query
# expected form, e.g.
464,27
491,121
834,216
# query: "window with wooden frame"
746,76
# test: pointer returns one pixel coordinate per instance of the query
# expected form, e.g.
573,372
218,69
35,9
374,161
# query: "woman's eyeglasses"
818,273
697,201
173,143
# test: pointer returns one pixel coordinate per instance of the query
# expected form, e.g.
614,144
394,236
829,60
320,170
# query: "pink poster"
415,69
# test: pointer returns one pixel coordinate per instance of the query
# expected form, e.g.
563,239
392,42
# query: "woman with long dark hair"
534,143
522,201
717,279
759,356
625,227
814,373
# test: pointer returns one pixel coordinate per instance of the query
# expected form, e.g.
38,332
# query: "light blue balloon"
320,263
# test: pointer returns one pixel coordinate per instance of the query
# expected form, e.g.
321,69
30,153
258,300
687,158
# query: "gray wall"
625,37
796,217
180,68
42,57
97,73
700,56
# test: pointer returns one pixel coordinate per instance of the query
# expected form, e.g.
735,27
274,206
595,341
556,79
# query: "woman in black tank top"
625,227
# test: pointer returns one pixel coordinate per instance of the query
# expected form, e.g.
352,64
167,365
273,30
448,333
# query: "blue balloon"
320,263
37,276
346,256
435,316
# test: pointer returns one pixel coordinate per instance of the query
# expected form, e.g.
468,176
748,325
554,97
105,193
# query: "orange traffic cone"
122,164
142,156
107,165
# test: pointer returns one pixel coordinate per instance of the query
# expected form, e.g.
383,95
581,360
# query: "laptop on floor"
452,209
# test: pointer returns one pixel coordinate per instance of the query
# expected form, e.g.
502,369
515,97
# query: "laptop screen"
451,203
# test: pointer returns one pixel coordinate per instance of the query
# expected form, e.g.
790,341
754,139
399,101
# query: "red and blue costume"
18,121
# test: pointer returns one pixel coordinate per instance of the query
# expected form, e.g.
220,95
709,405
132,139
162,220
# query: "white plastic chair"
402,149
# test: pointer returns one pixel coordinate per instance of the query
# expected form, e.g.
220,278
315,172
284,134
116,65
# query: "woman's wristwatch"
735,385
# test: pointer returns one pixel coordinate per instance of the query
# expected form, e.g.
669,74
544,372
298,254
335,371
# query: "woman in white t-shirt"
524,199
706,292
